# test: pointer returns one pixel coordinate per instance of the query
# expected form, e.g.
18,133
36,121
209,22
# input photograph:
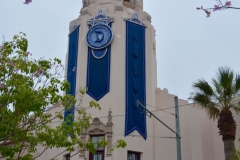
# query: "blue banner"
71,67
135,79
98,75
98,67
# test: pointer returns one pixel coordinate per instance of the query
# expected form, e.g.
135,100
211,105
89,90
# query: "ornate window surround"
98,128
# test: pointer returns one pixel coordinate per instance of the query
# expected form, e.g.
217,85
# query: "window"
133,155
99,155
67,156
95,140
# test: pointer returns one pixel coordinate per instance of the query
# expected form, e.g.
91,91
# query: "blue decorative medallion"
99,36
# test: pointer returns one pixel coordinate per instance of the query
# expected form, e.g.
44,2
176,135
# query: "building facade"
112,50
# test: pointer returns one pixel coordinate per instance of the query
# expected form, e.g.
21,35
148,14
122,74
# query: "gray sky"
189,45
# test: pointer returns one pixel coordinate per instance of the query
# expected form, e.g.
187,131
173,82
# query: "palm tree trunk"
228,148
227,129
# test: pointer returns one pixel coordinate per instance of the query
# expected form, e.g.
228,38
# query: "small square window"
133,155
95,140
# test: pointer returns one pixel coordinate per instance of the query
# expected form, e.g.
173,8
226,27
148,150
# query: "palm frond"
213,112
237,83
235,101
203,87
236,109
238,103
236,106
221,95
225,77
218,87
205,102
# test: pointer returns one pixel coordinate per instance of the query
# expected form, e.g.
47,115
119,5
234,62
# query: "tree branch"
41,153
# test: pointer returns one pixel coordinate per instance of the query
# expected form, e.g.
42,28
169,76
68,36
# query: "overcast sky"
189,45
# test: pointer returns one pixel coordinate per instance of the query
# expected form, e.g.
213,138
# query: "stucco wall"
199,135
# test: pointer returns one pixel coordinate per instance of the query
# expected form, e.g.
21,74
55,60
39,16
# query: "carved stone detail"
118,6
91,1
74,24
85,3
83,138
88,9
139,4
145,16
98,128
105,2
109,133
129,4
134,17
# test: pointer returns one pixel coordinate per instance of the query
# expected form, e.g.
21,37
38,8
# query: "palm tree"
219,99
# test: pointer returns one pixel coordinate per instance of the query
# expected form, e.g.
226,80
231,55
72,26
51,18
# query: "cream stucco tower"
118,33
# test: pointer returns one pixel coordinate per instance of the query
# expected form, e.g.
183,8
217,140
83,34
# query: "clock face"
99,36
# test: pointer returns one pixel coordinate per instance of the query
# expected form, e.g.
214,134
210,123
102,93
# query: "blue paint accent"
135,79
72,62
100,16
98,72
135,19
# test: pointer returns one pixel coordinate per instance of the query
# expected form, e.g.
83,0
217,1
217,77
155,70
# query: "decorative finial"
109,116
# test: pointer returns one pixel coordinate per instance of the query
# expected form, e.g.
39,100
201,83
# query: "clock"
99,36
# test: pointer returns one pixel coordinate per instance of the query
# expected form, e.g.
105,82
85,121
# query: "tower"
112,48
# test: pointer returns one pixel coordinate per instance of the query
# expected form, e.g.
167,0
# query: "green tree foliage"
29,89
236,154
219,99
